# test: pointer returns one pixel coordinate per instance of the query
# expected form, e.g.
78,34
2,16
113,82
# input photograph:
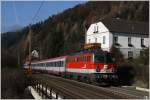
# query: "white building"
130,37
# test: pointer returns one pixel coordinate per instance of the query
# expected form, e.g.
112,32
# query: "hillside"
64,33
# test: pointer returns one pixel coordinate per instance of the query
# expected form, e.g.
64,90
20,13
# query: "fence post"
38,87
56,95
46,89
51,93
42,90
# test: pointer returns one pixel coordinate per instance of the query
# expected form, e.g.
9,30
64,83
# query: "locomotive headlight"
105,76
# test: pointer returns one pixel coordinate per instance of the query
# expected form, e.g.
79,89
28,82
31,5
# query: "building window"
141,52
130,54
142,42
104,39
129,42
89,40
95,40
115,39
95,29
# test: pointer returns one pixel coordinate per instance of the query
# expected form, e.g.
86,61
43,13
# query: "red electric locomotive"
92,66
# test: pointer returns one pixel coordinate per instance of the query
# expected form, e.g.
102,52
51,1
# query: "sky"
20,13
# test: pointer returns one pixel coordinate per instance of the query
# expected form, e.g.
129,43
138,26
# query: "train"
88,66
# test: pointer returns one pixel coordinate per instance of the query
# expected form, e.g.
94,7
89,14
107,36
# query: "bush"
135,71
13,83
126,74
116,53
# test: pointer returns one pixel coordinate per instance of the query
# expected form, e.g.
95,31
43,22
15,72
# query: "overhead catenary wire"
32,20
15,11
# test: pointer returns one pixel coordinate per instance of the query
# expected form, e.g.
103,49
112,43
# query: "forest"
64,33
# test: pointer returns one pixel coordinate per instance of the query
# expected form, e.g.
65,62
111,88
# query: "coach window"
52,64
59,63
55,64
62,63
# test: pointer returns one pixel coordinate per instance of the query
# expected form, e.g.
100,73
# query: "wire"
37,12
15,11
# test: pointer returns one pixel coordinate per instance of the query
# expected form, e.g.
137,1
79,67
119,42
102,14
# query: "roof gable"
101,28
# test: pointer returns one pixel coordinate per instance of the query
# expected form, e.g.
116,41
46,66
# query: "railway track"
78,90
132,92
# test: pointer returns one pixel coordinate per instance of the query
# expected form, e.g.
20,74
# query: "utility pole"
40,51
18,55
30,37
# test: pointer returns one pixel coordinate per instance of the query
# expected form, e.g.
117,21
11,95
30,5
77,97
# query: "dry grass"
13,84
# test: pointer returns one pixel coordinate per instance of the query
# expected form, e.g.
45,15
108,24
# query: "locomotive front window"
107,58
99,59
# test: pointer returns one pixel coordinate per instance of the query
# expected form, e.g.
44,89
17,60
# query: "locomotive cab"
105,68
